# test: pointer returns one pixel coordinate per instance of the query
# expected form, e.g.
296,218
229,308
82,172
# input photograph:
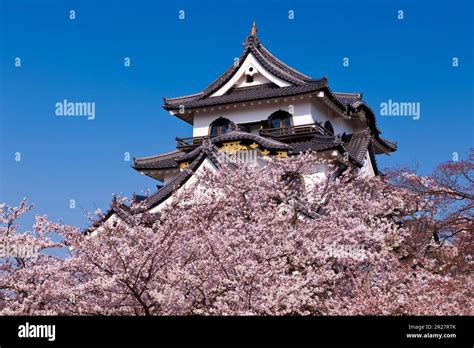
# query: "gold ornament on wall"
232,147
254,145
183,165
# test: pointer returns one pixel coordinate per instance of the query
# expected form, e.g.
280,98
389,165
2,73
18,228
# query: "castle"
262,106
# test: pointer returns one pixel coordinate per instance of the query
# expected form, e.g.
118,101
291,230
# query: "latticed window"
219,126
280,119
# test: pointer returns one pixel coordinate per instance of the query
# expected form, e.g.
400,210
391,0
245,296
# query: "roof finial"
252,39
253,31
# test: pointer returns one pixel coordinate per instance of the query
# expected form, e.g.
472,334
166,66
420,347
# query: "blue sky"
407,60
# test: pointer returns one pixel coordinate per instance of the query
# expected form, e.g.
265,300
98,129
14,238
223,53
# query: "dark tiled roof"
250,94
277,67
357,143
317,143
282,66
183,99
138,198
264,57
381,145
355,102
388,144
172,159
348,98
121,210
168,189
162,161
205,151
190,155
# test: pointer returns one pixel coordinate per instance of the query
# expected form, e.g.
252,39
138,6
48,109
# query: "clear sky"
64,158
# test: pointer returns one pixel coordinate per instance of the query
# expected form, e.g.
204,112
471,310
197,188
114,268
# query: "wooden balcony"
282,134
293,132
187,144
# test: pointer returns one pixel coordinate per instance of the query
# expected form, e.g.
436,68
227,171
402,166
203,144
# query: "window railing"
293,131
186,144
189,143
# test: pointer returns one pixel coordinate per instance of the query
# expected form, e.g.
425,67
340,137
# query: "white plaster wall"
368,168
322,113
254,112
258,79
250,61
206,164
255,129
109,223
315,175
305,110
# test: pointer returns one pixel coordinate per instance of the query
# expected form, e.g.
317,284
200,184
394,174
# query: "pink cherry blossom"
254,241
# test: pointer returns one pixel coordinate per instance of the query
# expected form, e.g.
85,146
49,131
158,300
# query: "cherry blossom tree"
29,276
442,227
261,241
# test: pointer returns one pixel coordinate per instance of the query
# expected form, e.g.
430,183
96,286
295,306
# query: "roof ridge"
283,65
144,158
350,93
361,132
183,96
178,181
275,68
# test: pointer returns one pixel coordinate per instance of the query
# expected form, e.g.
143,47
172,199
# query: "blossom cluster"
252,241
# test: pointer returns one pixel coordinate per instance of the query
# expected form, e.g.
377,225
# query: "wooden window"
328,126
219,126
280,119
